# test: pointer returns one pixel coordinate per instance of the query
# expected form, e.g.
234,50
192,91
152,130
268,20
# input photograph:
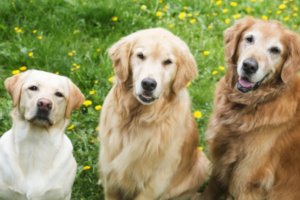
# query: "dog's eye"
167,62
250,39
33,88
59,94
141,56
274,50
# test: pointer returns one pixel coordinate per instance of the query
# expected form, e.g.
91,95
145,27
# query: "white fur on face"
260,50
48,86
152,60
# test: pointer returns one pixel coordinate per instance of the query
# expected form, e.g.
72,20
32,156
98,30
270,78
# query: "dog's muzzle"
44,107
148,86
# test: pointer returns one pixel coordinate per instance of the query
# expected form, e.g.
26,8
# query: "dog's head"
260,52
43,98
154,63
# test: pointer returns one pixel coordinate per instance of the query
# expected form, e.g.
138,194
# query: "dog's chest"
140,154
253,170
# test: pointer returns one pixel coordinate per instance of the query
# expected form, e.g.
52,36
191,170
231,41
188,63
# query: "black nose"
44,104
149,84
250,66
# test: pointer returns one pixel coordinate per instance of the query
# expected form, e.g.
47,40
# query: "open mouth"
245,85
146,97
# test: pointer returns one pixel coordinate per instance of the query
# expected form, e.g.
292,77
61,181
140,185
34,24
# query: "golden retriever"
254,131
36,160
147,133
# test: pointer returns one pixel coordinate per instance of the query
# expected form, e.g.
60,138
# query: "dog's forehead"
47,79
267,30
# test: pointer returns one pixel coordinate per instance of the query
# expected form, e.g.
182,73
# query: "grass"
70,37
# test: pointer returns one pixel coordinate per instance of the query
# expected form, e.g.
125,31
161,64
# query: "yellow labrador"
36,160
148,135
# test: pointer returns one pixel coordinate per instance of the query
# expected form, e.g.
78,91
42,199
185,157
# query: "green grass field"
70,37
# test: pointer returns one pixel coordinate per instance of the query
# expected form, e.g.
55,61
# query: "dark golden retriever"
254,131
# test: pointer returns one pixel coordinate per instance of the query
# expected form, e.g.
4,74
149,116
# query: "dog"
147,133
254,132
36,160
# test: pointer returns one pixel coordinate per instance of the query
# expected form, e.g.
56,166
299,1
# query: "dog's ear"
186,68
232,36
76,98
120,54
14,85
292,62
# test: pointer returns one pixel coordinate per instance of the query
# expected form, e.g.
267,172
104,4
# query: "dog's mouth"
245,85
42,118
146,98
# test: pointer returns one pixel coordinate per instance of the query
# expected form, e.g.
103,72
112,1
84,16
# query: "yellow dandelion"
23,68
264,17
225,10
14,72
98,50
237,16
193,21
286,18
40,37
282,6
30,54
161,1
218,2
34,31
295,8
197,14
87,103
98,107
86,167
233,3
143,7
215,14
18,30
197,114
278,12
200,148
165,8
295,14
71,53
295,26
71,127
227,21
182,15
159,14
92,92
249,10
189,84
253,1
215,72
221,68
205,53
114,19
190,15
210,27
111,79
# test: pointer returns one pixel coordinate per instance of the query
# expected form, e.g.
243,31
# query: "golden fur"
254,137
149,151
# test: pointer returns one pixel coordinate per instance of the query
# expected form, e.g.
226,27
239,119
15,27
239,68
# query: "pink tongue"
245,83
